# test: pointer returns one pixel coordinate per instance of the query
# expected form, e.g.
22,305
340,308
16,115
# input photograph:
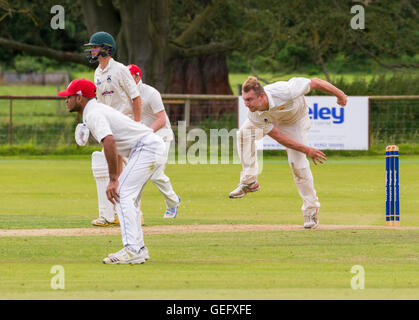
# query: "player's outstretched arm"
319,84
314,154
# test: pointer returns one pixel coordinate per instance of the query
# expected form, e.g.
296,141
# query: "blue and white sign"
332,127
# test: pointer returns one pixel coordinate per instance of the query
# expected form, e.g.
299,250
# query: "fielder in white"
119,135
154,116
280,111
115,88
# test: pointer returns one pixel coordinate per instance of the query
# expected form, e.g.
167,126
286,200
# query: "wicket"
392,186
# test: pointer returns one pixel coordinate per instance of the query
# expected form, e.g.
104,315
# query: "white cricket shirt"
116,87
286,104
151,104
102,120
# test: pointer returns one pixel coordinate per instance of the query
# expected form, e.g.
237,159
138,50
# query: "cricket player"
154,116
280,111
115,88
119,134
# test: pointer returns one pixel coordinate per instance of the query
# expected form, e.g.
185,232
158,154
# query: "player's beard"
75,108
253,108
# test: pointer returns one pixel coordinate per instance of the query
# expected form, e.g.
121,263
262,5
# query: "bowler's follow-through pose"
119,135
280,111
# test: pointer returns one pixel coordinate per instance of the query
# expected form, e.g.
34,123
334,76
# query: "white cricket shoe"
171,213
143,251
102,222
243,189
312,221
125,256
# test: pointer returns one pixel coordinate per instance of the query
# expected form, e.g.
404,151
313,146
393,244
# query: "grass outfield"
263,265
59,192
54,192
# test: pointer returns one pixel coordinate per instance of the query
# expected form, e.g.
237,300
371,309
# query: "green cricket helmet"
105,41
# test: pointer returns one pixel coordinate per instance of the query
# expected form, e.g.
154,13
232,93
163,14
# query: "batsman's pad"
81,134
99,165
101,175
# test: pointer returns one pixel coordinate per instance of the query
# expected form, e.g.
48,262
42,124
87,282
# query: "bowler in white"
280,111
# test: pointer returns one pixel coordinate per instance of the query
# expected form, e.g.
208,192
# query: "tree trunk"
159,62
145,30
100,16
103,16
136,27
207,74
215,77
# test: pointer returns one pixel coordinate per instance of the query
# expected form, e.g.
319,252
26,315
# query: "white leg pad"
101,175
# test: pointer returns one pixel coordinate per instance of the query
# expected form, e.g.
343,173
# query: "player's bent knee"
297,160
301,175
126,196
160,179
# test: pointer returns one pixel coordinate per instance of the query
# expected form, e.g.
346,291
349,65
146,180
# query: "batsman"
115,88
280,111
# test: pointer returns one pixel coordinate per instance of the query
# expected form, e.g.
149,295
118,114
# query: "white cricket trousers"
145,158
300,166
162,182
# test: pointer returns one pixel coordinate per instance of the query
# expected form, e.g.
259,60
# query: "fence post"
239,89
187,112
11,122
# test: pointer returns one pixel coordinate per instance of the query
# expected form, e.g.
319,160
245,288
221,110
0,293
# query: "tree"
391,32
141,29
25,28
317,32
181,45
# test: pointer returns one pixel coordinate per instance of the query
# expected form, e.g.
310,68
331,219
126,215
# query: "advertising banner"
332,127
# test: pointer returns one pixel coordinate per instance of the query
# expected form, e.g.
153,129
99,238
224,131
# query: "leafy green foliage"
271,36
29,22
308,34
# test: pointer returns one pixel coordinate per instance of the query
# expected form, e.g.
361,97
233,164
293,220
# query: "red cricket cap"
81,87
134,69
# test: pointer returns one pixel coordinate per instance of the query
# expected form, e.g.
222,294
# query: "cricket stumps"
392,186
